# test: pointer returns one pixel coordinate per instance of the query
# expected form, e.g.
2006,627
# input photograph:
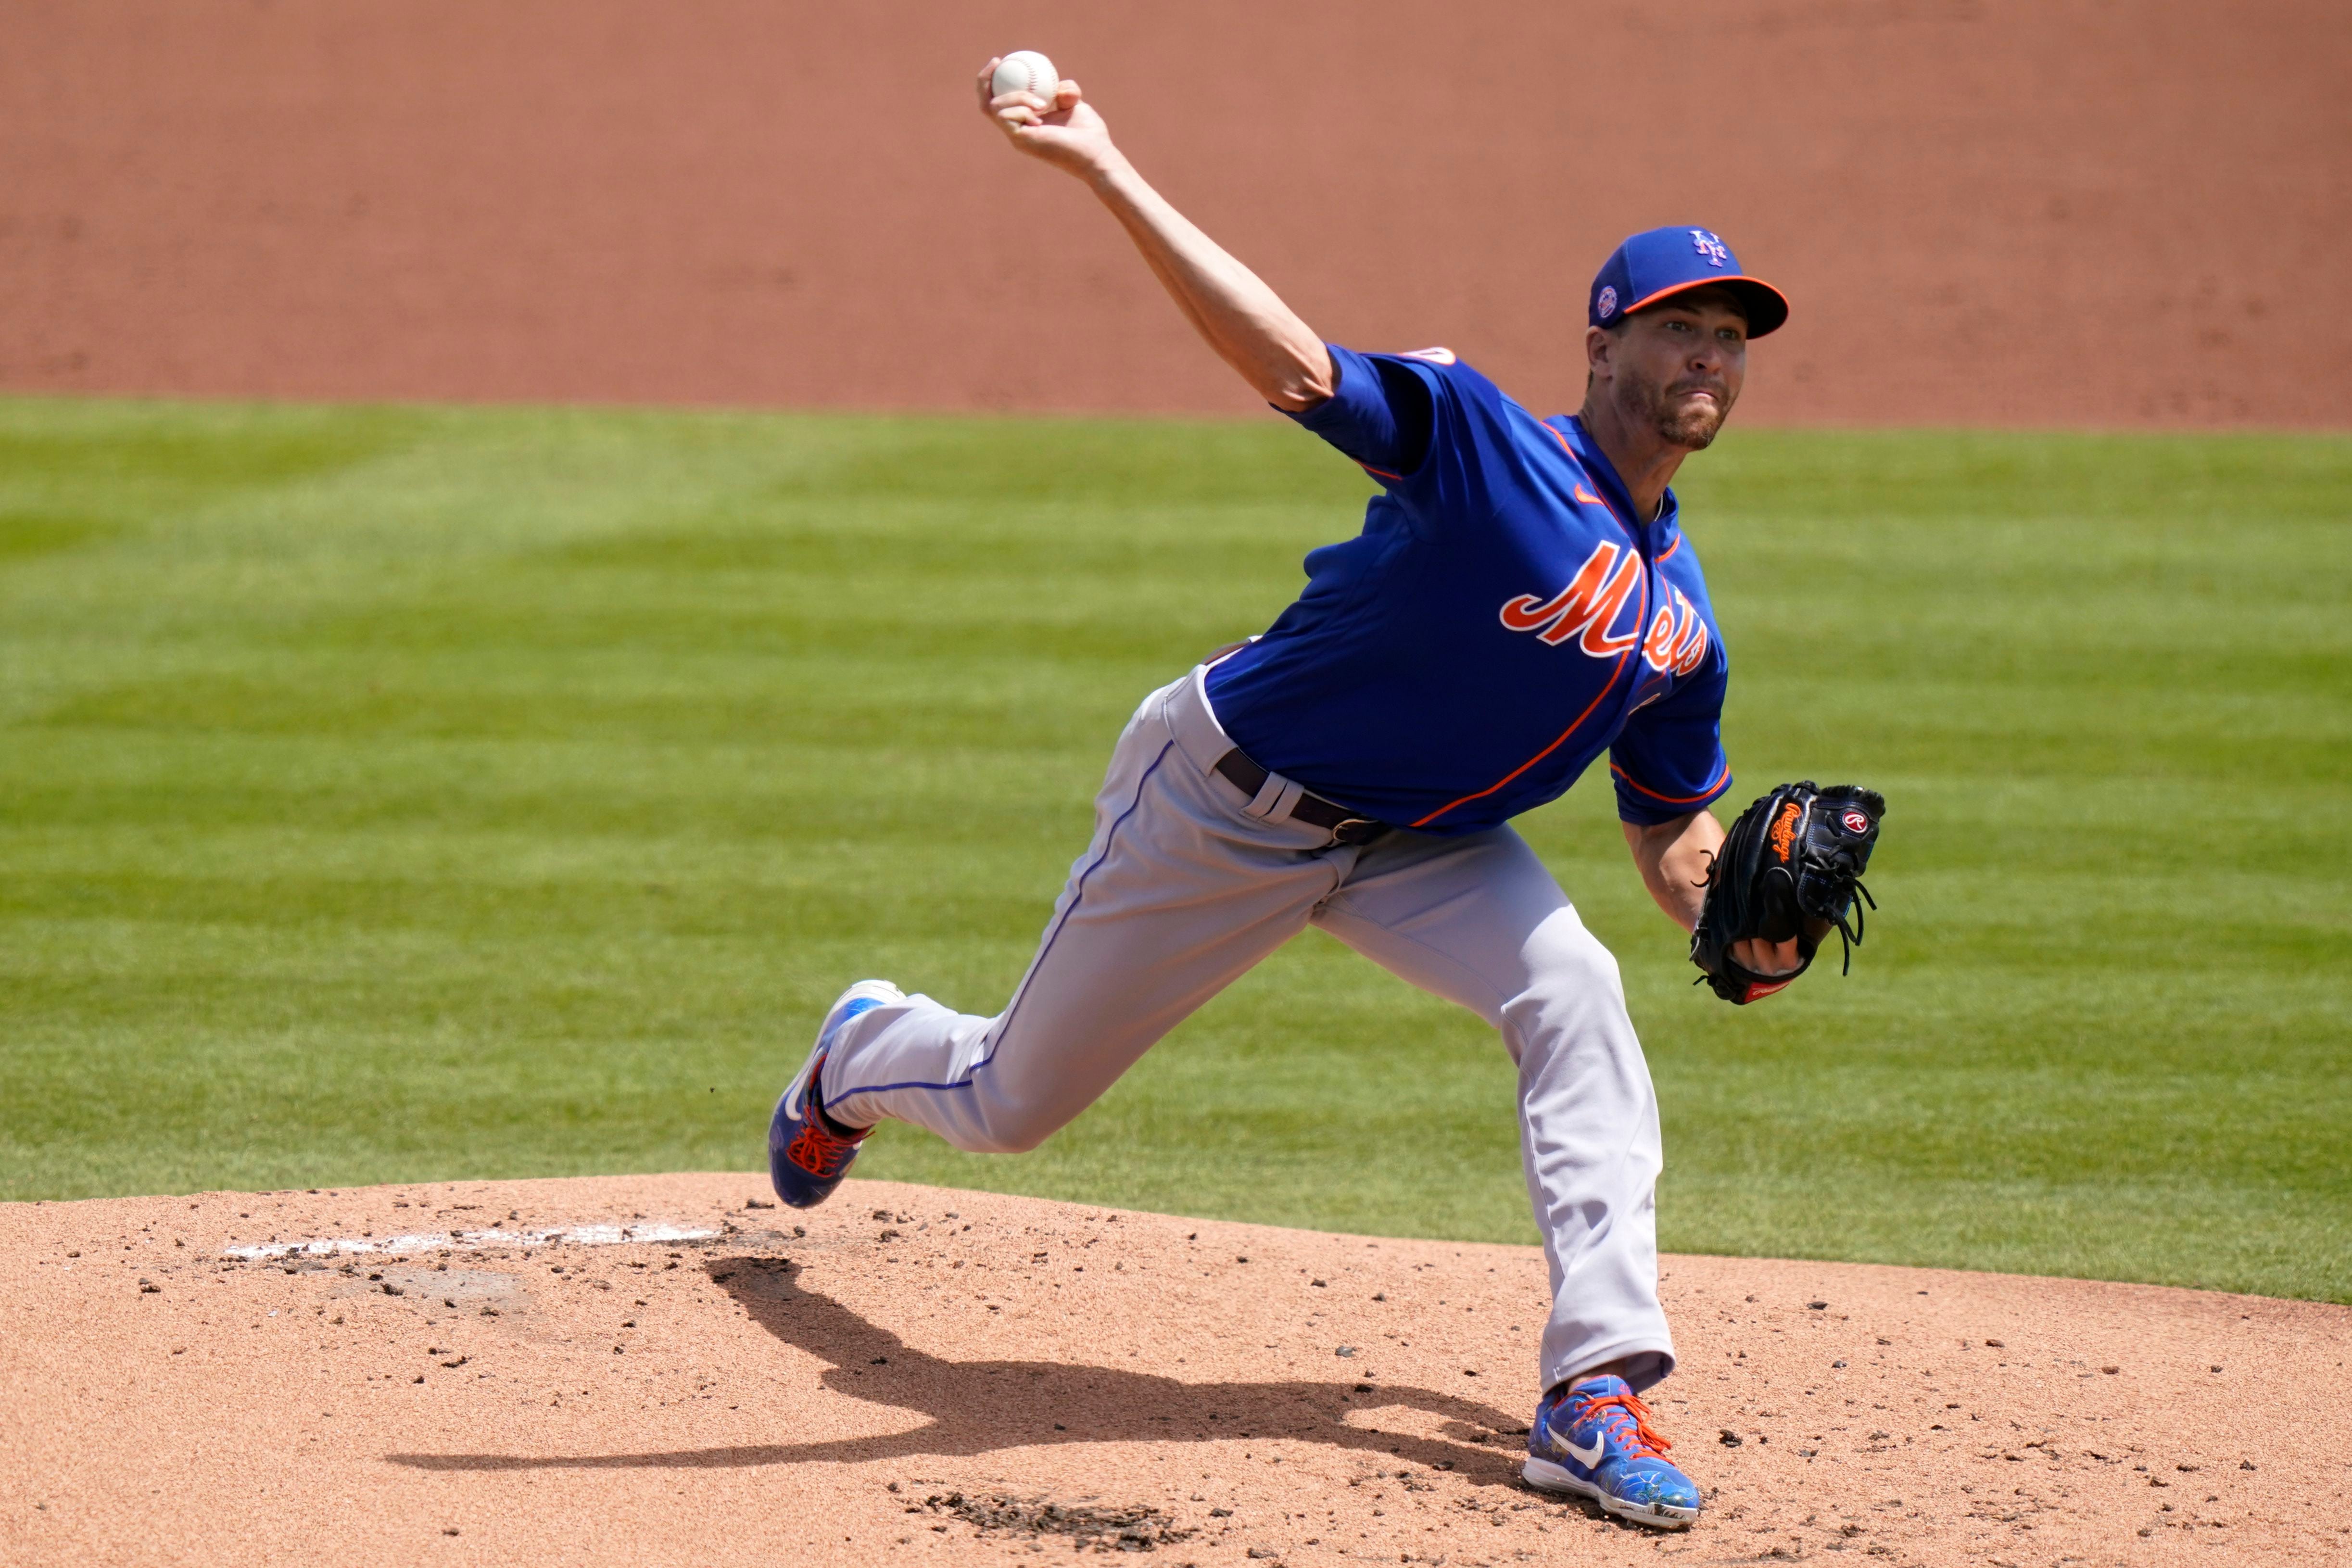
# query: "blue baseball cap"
1660,263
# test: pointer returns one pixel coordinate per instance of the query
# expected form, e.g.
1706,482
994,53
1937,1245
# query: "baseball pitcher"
1522,600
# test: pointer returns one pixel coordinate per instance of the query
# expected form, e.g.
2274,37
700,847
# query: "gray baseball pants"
1186,884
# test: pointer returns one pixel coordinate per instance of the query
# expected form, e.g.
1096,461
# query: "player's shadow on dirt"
976,1406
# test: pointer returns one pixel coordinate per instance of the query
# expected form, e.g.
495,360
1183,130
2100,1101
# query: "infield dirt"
657,1370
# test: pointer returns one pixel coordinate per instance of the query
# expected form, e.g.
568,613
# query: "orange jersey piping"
1606,505
1640,619
1539,756
1714,787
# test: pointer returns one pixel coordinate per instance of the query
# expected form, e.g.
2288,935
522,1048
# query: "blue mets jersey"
1501,620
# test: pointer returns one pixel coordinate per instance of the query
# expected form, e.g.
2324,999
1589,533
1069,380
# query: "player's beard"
1690,426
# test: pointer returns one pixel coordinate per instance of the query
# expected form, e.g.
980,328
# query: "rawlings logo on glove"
1790,867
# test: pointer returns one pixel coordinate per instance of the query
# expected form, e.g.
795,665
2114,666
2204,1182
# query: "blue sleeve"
1429,427
1380,414
1668,761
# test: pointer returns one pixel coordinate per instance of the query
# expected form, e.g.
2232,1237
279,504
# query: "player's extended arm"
1231,307
1674,857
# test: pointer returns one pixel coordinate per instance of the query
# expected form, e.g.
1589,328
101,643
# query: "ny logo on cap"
1706,245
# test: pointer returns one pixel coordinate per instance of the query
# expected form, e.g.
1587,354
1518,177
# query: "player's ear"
1599,344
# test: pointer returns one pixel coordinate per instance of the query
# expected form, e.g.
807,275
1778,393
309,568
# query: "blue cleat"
1594,1438
807,1154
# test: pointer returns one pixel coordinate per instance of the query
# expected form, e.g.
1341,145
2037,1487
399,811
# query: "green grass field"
394,794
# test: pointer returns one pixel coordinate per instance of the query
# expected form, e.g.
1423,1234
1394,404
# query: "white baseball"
1025,70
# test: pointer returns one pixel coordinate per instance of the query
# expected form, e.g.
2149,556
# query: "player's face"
1678,367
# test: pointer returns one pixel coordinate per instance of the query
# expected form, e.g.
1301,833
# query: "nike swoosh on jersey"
1587,498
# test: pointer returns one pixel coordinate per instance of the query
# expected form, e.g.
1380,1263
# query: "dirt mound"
2007,211
661,1370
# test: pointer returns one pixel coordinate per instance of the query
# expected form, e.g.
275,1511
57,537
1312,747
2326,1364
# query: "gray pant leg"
1480,922
1180,892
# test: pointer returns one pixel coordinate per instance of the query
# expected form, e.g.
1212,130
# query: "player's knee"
1563,959
1013,1130
1008,1141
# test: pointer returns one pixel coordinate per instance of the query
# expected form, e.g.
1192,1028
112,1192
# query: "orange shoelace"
819,1150
1647,1442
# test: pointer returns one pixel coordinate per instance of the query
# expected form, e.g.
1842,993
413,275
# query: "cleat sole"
1545,1476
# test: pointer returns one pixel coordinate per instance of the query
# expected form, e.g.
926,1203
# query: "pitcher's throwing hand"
1064,130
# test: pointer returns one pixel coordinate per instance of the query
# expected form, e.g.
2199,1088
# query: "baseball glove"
1790,867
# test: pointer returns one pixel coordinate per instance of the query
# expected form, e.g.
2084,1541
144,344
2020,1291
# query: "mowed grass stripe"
398,793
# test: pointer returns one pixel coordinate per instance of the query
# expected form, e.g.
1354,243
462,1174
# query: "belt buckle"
1357,830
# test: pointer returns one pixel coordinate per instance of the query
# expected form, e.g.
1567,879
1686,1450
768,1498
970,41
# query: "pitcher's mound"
662,1369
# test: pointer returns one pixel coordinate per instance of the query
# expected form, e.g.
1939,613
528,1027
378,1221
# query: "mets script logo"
1855,822
1595,597
1706,245
1607,304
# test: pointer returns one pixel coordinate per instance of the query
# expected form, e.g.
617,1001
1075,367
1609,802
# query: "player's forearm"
1674,857
1231,307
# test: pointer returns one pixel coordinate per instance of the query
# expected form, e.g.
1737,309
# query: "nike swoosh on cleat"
1587,1458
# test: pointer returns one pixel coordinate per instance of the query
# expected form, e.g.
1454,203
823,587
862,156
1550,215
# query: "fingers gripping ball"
1791,866
1025,70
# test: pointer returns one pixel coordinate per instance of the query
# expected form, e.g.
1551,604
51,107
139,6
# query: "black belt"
1344,825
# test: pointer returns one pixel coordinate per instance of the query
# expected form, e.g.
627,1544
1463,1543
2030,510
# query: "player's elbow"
1305,383
1651,842
1297,398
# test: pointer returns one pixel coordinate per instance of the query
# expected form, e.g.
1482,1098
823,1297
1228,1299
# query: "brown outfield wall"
2068,212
